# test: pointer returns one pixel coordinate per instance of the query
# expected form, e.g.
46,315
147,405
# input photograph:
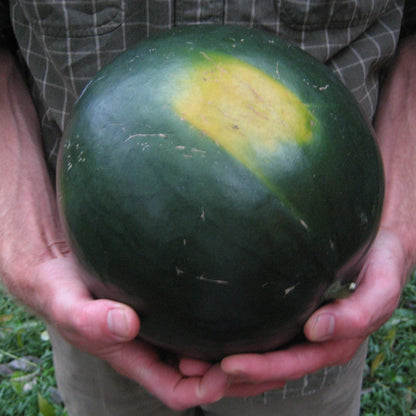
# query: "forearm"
29,244
395,126
28,216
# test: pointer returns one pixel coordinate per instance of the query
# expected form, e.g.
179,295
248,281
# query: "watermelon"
222,182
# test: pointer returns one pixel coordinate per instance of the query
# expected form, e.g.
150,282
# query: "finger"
105,329
140,362
373,302
250,389
192,367
98,323
87,323
292,363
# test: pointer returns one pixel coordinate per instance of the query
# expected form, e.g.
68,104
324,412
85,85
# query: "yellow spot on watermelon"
242,109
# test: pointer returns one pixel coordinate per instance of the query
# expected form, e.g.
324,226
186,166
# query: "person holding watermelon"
101,367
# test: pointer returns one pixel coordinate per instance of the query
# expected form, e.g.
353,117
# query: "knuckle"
298,364
361,321
82,324
80,321
176,405
345,358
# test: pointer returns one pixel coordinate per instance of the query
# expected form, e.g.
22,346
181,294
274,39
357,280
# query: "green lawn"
390,380
27,384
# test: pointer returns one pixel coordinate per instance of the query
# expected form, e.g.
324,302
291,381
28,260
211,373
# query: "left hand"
334,332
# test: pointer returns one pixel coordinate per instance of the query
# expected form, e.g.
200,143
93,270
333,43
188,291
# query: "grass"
27,381
28,387
390,379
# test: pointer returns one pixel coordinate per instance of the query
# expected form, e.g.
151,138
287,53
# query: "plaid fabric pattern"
65,43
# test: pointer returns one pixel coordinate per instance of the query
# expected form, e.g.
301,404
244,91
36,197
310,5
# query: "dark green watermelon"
221,181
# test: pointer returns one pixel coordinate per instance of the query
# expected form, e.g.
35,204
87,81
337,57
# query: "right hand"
37,267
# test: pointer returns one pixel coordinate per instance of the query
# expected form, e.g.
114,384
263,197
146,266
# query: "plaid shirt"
65,43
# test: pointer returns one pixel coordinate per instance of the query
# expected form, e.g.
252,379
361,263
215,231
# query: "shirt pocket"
330,14
75,18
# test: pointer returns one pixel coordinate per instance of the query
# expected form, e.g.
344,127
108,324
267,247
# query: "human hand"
108,330
334,332
37,268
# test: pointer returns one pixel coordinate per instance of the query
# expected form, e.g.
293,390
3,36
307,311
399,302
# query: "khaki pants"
90,387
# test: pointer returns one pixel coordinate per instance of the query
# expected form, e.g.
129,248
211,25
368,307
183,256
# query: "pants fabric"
90,387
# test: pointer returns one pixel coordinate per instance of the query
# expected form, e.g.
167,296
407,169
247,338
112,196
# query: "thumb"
85,322
373,302
101,321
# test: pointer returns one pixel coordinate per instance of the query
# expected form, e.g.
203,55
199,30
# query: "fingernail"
323,328
117,323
